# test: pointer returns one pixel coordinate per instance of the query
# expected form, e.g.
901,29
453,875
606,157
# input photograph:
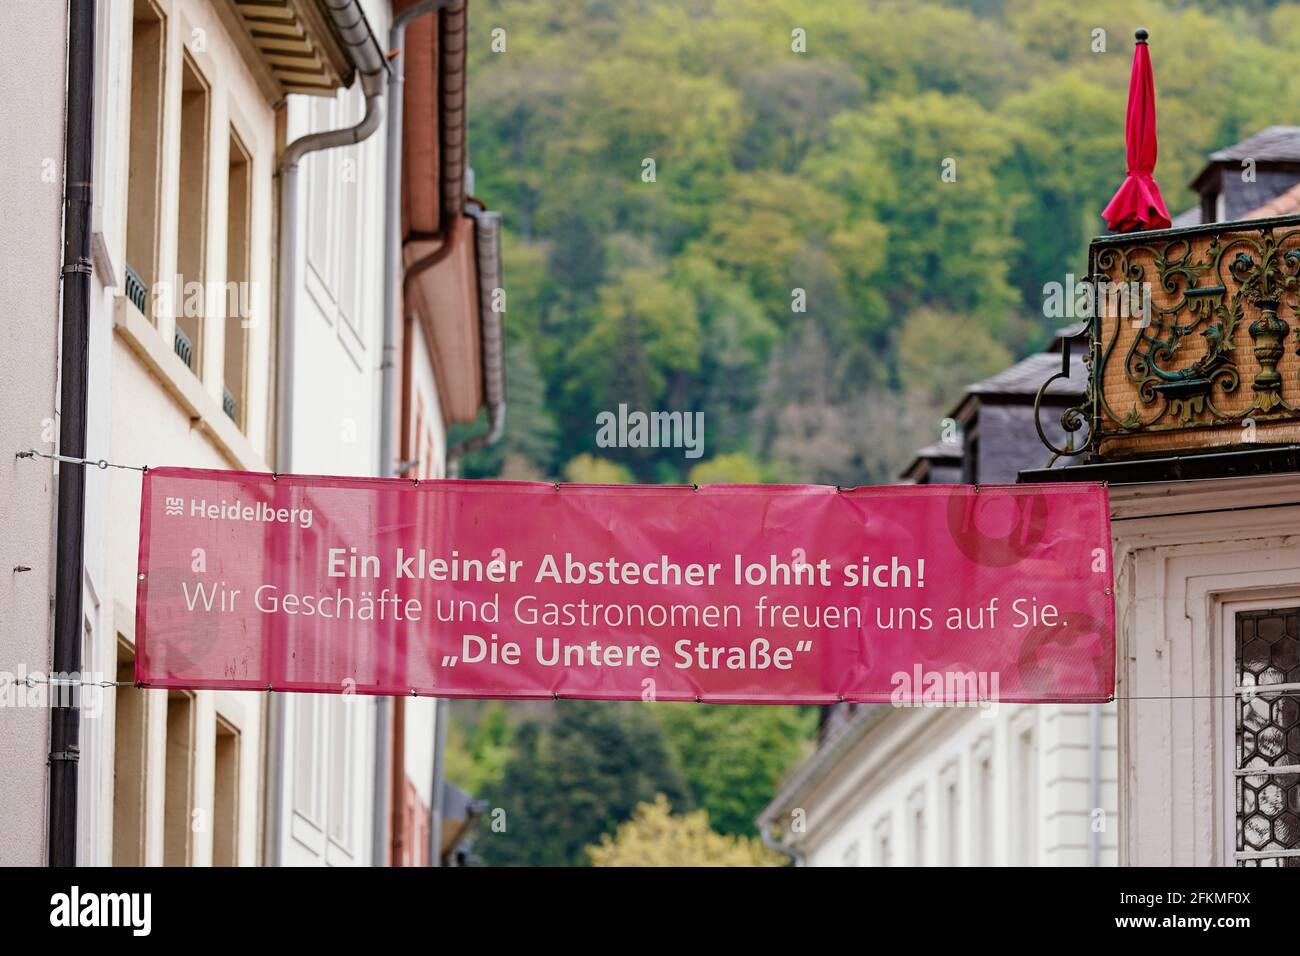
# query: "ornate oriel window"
1266,705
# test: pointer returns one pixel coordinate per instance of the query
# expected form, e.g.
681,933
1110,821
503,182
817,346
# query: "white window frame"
917,822
882,842
337,285
951,852
1229,693
983,814
1026,805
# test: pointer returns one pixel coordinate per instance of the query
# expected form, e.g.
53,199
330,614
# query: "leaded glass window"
1266,703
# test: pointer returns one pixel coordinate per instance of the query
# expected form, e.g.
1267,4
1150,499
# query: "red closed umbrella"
1138,203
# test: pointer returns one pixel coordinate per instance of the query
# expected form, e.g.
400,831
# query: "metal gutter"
487,241
453,43
363,51
373,84
452,161
772,843
815,769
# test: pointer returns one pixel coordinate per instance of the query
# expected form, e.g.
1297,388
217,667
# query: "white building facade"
31,195
194,102
994,785
326,768
180,375
1000,785
1208,608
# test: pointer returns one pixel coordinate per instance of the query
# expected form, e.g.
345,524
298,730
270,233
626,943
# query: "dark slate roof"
1274,144
1241,199
1188,217
1277,151
1028,375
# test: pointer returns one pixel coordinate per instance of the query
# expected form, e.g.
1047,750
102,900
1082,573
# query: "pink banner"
921,594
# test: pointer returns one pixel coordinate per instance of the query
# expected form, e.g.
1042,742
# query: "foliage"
799,268
734,756
781,174
655,837
568,783
476,756
733,469
591,470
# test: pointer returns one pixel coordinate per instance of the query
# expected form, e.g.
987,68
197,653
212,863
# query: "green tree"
590,470
531,433
940,353
656,837
568,784
731,469
735,756
477,756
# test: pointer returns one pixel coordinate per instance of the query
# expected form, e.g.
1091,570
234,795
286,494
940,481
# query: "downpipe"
74,369
373,85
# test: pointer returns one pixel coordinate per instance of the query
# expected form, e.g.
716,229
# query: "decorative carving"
1216,304
1268,331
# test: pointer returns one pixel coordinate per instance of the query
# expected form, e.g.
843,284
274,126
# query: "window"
128,764
178,794
1025,807
950,816
982,830
191,235
335,219
415,848
325,764
238,294
916,821
320,191
340,770
306,792
883,851
850,857
225,797
144,165
1266,718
